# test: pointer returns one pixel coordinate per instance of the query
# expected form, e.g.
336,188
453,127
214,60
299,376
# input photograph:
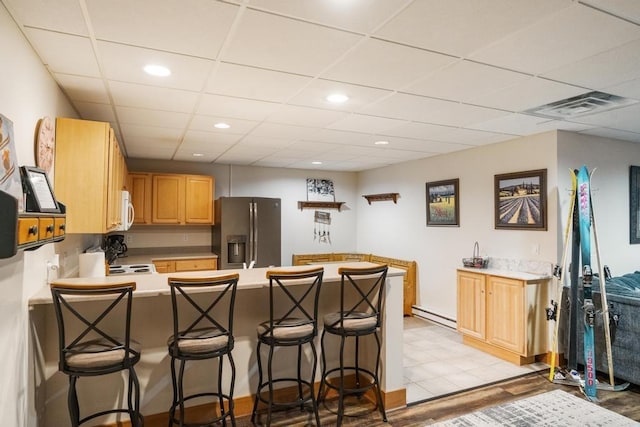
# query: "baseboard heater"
434,317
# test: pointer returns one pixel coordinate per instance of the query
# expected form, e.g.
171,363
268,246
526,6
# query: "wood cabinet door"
471,304
139,185
168,199
196,264
114,184
199,199
165,266
505,313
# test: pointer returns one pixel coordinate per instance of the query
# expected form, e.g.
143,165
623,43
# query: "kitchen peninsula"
151,325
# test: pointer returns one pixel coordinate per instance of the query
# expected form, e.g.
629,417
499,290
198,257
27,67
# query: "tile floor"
437,363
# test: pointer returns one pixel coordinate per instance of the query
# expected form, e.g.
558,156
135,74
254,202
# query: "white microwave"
127,214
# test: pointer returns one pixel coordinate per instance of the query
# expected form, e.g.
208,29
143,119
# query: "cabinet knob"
33,229
62,227
49,229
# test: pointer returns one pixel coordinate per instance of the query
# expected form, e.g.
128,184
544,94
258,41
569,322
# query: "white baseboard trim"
434,317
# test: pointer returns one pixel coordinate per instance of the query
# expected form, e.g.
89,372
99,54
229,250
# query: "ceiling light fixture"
381,143
157,70
316,163
337,98
221,125
197,154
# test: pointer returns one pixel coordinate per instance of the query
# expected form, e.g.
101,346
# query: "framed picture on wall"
634,205
521,200
443,206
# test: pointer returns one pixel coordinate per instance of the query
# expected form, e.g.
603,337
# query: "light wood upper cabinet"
167,195
168,199
139,185
89,175
503,316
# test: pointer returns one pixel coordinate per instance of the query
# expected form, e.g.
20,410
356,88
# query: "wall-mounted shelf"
381,197
322,205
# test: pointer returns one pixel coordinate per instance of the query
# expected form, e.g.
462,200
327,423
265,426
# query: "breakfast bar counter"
152,325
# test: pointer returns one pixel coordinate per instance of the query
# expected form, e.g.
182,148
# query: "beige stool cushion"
355,321
97,354
201,341
287,329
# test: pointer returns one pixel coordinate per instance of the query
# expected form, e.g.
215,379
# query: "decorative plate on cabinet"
45,144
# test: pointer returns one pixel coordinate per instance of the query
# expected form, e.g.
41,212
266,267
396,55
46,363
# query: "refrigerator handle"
255,232
251,241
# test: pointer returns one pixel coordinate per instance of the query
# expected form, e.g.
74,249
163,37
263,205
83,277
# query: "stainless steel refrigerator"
246,230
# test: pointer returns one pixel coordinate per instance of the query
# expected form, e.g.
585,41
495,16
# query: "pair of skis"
581,186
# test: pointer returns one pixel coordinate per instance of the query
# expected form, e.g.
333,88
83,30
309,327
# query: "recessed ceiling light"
337,98
316,163
197,154
221,125
381,143
157,70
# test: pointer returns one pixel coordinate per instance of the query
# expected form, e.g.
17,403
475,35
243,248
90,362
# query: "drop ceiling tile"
311,146
315,94
126,63
155,118
239,108
142,151
530,93
95,111
197,30
343,137
58,15
570,35
278,130
244,155
83,89
465,80
408,144
187,156
361,16
630,89
154,136
362,123
447,134
604,69
206,123
625,119
141,96
208,142
386,65
516,124
285,46
613,133
463,26
305,116
256,83
262,142
54,50
430,110
627,9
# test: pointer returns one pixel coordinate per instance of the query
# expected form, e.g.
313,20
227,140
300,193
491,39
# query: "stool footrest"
307,387
370,378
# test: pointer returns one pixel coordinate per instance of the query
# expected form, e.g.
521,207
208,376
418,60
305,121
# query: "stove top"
132,269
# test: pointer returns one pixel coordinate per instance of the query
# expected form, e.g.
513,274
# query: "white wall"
287,184
610,159
399,230
28,93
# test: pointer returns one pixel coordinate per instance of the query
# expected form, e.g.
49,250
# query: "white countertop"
156,284
519,275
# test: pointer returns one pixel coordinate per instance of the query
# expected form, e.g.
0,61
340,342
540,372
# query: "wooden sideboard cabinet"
503,316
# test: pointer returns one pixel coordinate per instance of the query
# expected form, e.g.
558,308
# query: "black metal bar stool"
358,319
208,335
293,313
103,344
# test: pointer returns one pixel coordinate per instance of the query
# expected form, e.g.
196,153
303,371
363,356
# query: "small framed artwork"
634,205
443,206
521,200
320,190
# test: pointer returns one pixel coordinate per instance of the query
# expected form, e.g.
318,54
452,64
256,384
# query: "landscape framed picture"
443,206
521,200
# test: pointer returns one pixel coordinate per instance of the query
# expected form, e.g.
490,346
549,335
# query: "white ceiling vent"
581,105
